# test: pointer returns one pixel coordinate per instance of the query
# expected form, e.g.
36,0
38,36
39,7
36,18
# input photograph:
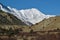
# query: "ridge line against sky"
45,6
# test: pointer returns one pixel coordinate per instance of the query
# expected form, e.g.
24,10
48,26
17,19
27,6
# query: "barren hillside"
11,28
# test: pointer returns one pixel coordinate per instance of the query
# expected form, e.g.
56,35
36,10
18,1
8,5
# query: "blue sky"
45,6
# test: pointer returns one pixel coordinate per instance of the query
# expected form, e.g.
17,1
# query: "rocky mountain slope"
10,21
48,29
7,20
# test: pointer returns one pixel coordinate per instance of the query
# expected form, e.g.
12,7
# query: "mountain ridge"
28,16
8,20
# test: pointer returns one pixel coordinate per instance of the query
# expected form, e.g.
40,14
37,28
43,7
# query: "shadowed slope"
8,19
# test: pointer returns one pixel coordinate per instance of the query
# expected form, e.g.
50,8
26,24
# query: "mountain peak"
28,16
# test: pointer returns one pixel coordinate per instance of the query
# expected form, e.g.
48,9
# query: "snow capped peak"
32,15
28,16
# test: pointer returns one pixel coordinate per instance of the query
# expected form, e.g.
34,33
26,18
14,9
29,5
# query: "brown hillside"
12,28
8,20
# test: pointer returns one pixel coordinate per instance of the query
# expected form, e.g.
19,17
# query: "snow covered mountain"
28,16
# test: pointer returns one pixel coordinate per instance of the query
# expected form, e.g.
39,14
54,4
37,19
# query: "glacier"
28,16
